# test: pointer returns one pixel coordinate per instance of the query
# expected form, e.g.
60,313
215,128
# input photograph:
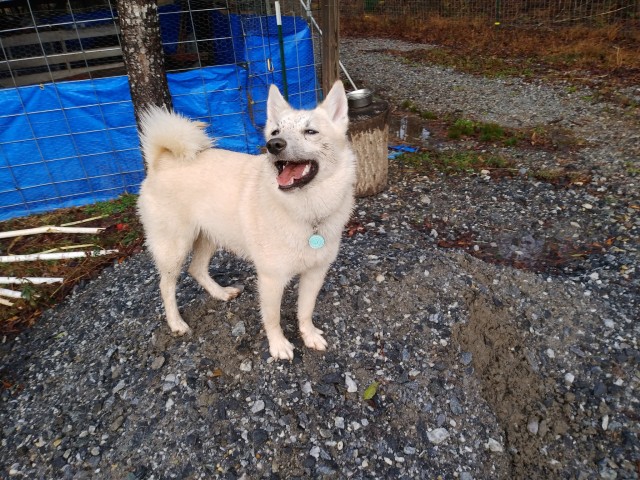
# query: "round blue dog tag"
316,241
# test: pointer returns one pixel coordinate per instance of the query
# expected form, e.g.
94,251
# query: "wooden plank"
330,26
58,58
59,36
49,76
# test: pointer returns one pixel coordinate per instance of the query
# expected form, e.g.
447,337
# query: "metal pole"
282,60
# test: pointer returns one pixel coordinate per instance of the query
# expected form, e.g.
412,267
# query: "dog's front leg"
310,284
270,289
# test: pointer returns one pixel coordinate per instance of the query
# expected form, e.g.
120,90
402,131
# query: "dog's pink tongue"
291,172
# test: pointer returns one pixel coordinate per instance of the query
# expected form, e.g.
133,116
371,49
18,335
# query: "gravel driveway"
482,370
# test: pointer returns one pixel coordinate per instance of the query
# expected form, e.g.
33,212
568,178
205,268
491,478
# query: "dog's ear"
276,104
336,105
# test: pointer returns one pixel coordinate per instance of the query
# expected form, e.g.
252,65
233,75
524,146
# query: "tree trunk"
142,54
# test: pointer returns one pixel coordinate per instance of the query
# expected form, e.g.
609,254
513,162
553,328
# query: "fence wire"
512,12
69,138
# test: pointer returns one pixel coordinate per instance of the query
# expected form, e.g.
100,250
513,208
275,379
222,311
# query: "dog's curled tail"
163,131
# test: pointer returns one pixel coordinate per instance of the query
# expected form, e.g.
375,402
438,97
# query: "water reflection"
410,129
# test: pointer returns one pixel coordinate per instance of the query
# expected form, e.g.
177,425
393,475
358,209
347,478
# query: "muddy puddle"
410,130
540,255
526,252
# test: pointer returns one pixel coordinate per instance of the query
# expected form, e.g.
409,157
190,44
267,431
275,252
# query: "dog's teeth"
306,169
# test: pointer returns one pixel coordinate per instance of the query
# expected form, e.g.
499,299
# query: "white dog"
284,210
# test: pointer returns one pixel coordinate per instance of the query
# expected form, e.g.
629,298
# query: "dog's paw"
313,338
229,293
281,348
179,328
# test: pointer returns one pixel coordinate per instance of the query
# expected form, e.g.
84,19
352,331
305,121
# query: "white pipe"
278,16
5,292
5,302
49,229
53,256
31,280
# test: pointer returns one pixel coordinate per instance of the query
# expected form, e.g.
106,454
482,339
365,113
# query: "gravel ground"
483,370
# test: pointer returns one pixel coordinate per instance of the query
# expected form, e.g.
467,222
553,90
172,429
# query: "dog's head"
306,146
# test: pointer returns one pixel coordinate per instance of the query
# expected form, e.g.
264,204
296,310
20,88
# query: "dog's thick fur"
198,198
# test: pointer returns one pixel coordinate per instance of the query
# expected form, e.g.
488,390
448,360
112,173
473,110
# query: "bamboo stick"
77,222
53,256
70,247
31,280
49,229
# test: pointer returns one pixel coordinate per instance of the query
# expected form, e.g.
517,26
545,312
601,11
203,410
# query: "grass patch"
632,169
413,108
122,232
485,132
461,128
551,138
490,132
428,115
489,66
456,163
459,163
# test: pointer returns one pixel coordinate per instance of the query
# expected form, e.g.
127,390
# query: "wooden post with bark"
142,54
330,25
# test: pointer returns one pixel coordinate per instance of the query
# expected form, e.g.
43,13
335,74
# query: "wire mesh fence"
513,12
67,130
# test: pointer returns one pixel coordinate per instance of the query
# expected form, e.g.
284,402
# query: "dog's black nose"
276,145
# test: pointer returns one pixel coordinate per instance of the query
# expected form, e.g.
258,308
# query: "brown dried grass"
605,49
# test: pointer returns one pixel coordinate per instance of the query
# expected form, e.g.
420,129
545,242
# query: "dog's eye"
275,132
310,131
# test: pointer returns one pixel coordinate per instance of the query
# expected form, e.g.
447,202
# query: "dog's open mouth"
295,174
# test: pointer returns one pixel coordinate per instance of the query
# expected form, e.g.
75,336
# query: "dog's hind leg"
169,258
308,288
203,250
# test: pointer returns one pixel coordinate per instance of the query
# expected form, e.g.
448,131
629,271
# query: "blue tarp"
73,143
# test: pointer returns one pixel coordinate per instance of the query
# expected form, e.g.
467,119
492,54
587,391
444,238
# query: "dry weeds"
610,54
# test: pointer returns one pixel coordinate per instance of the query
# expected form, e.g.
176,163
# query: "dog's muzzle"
291,173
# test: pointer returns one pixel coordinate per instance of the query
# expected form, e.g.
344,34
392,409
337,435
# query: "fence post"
330,25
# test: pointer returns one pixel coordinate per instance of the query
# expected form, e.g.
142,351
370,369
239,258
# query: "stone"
352,386
246,365
454,405
157,363
257,406
466,358
117,423
494,446
238,329
438,435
